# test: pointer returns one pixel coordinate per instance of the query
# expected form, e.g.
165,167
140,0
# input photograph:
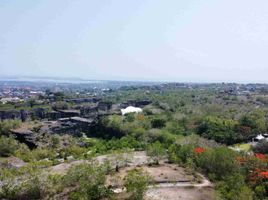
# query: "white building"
259,137
131,109
14,100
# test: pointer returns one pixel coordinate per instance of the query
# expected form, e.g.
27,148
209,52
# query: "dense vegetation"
192,128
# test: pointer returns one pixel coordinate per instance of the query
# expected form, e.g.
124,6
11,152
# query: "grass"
244,147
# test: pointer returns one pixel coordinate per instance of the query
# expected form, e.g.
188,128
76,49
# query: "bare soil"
180,193
164,173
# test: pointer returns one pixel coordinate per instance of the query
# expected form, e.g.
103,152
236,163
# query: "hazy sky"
176,40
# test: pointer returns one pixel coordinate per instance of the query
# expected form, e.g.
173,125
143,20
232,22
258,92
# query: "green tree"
55,141
158,123
59,96
7,125
261,147
136,183
89,181
60,105
8,146
31,102
234,188
218,163
156,152
130,117
221,130
255,120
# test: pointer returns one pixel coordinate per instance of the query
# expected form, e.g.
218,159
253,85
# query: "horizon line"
122,79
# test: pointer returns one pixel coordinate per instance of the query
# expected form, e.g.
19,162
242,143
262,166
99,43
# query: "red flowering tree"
264,174
260,156
199,150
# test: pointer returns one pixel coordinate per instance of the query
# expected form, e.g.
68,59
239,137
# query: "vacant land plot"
180,193
164,173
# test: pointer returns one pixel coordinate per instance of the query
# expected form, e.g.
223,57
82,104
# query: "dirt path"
181,191
131,159
205,183
178,184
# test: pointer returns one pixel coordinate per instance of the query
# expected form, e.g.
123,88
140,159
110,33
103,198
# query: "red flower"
260,156
264,174
199,150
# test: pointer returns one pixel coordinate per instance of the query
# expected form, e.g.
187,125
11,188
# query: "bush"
220,130
234,188
136,183
180,153
88,181
28,186
261,147
158,123
164,137
60,105
130,117
156,152
74,150
218,163
8,146
7,125
42,153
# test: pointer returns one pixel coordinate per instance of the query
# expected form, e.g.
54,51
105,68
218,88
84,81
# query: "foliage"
8,146
156,152
130,117
158,123
88,182
221,130
234,188
261,147
7,125
218,163
60,105
30,184
136,183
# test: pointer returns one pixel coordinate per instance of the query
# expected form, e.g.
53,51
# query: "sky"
171,40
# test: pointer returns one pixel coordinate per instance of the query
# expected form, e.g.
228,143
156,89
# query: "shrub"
136,183
60,105
89,181
217,163
8,146
261,147
130,117
218,129
158,123
7,125
156,152
42,153
234,188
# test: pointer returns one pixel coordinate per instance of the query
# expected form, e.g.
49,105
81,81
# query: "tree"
130,117
221,130
218,163
60,105
7,125
31,102
234,188
59,96
8,146
156,152
261,147
255,120
55,141
90,181
136,183
158,123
